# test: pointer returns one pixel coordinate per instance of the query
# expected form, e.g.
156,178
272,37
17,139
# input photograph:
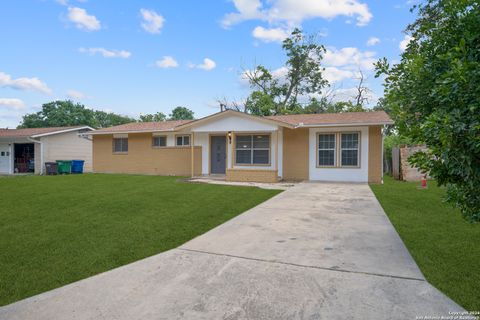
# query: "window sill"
120,153
253,165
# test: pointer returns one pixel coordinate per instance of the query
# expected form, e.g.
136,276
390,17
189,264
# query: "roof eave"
96,132
60,131
344,124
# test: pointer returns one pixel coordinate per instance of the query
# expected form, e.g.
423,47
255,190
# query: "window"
159,141
252,149
183,140
120,145
326,150
349,149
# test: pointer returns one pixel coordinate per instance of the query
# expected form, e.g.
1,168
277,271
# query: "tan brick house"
242,147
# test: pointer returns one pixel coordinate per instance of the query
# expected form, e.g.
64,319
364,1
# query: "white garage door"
5,158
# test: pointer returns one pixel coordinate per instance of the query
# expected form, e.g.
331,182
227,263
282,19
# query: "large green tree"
302,75
156,117
181,113
433,94
66,113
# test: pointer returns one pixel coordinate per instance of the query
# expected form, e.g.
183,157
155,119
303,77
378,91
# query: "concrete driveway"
316,251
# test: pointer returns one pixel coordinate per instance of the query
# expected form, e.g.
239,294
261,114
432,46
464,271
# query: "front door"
218,154
5,159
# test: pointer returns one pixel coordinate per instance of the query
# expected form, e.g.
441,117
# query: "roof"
331,119
36,132
169,125
291,121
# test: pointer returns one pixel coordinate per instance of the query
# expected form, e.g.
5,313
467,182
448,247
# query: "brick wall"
409,173
250,175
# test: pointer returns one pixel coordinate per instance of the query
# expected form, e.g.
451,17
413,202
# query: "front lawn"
58,229
445,246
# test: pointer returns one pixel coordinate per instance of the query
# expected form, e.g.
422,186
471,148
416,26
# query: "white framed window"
252,149
182,140
327,143
159,141
120,145
349,149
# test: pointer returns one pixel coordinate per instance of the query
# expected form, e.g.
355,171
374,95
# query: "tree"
181,113
301,76
66,113
157,117
434,97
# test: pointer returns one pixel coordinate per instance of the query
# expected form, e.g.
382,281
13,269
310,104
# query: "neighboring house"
326,147
27,150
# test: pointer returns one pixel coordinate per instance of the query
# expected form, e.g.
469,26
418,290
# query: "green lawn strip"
443,244
55,230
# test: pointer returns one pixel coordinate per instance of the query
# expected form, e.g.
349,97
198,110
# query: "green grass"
446,247
58,229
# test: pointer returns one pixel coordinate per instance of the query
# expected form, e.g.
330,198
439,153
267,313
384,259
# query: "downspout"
11,165
383,152
41,152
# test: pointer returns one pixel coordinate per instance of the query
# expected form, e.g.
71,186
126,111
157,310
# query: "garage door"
4,159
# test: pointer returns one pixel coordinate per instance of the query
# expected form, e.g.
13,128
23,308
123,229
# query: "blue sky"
137,57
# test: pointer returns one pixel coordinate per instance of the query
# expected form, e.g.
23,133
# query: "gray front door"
218,154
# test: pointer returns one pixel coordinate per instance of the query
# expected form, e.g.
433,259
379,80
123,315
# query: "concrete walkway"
315,251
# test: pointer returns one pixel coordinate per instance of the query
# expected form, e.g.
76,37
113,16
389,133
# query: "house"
243,147
26,150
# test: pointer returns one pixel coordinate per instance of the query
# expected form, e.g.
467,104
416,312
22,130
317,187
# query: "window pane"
350,140
160,141
186,140
243,156
261,156
120,145
261,141
349,157
243,142
179,141
326,157
326,141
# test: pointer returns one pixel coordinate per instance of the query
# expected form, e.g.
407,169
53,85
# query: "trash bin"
64,166
77,166
51,168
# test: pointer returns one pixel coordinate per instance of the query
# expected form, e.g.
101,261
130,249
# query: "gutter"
41,152
350,124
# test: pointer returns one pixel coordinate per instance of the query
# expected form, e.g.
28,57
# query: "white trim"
360,124
60,131
128,131
120,135
222,114
41,153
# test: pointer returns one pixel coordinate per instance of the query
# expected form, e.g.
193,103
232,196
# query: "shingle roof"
374,117
144,126
334,118
23,133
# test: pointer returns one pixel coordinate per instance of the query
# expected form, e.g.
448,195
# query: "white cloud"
372,41
106,53
404,43
82,19
62,2
208,64
12,103
270,35
74,94
166,62
334,74
350,58
33,84
294,12
152,21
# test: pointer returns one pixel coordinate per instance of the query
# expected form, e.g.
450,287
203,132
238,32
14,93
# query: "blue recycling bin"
77,166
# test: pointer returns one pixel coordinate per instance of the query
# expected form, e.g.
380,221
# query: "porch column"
192,151
276,151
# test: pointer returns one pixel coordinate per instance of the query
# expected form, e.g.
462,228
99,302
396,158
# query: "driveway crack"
305,266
